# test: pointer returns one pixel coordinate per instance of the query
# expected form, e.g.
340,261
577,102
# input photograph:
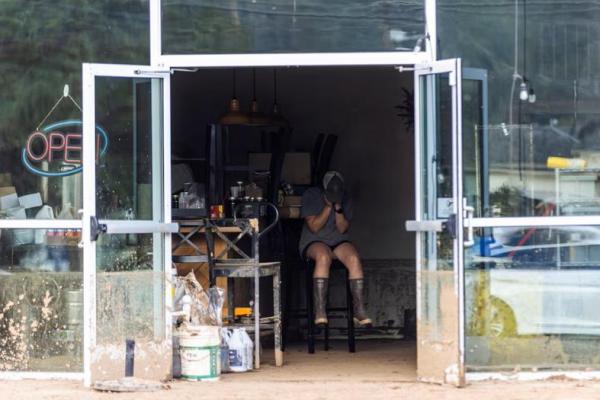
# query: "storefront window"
531,297
43,46
41,300
289,26
543,135
530,291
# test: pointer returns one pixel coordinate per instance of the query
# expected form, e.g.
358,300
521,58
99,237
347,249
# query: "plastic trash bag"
201,307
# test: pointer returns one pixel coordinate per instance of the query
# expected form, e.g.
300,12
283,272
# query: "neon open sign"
52,144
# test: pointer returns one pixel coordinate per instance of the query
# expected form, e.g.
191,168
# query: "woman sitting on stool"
327,213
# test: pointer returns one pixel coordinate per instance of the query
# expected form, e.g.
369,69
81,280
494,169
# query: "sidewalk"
379,371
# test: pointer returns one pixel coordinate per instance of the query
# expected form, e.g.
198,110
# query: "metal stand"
249,267
233,269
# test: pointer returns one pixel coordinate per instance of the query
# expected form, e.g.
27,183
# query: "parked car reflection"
529,281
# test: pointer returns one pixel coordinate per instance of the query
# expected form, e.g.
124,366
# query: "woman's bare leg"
348,255
321,254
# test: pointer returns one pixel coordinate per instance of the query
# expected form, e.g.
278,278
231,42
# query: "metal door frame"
160,226
454,69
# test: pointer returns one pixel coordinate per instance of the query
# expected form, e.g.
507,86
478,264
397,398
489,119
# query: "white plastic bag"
249,345
237,352
225,337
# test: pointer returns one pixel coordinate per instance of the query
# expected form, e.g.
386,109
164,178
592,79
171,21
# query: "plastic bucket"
201,355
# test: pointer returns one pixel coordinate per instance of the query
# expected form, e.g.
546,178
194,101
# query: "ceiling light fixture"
256,117
234,116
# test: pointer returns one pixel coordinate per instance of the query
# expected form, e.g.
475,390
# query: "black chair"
325,156
348,310
315,155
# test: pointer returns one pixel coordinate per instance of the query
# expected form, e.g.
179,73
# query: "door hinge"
96,228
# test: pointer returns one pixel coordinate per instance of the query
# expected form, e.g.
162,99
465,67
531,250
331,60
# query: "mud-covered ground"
376,371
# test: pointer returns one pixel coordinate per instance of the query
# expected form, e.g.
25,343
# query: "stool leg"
277,322
230,300
326,344
310,311
256,318
350,318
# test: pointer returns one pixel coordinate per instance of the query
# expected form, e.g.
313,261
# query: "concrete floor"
379,370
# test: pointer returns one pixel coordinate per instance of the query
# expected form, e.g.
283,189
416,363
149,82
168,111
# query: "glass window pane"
43,45
41,300
547,109
130,288
531,297
436,140
128,172
213,26
437,331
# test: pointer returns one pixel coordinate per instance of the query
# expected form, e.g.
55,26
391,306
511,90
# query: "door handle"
469,211
425,226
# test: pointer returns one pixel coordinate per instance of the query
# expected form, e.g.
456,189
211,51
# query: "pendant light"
276,117
256,117
234,116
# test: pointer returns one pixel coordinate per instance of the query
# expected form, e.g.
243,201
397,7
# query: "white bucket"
200,354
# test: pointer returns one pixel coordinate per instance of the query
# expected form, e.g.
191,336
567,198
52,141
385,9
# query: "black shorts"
333,247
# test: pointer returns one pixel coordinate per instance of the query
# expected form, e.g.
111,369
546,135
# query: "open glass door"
126,222
439,230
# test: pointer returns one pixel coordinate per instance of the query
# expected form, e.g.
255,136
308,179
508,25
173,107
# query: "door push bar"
98,227
448,226
435,225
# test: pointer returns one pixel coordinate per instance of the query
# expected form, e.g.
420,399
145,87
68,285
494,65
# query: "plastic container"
200,355
249,346
225,336
237,352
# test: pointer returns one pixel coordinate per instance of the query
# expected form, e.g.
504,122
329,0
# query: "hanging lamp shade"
255,116
276,117
234,115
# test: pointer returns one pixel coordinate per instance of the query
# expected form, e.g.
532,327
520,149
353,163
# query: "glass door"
440,210
126,222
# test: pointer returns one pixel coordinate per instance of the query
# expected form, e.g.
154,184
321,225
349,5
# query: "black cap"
333,185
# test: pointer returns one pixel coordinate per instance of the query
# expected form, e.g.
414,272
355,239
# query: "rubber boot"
320,286
360,315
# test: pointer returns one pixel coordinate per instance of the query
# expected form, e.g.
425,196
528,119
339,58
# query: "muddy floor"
377,371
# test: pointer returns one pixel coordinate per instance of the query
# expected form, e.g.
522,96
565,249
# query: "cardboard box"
296,166
30,200
292,201
6,190
9,201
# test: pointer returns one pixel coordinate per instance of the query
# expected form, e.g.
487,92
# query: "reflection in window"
284,26
531,298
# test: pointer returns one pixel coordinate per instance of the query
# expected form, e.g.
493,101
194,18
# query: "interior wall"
374,150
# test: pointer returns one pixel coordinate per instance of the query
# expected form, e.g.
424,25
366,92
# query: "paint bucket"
201,354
